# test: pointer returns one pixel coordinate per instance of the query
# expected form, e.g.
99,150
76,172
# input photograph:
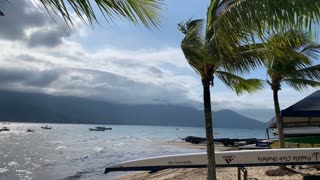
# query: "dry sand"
222,173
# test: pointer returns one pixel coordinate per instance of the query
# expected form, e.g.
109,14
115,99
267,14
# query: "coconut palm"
208,65
290,62
231,24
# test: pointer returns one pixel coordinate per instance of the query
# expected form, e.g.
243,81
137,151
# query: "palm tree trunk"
209,132
279,118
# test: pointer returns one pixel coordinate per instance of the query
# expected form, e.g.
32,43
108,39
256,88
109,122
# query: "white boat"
224,159
299,131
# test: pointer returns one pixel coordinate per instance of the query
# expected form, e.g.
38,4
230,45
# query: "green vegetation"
228,46
147,12
290,62
207,64
276,145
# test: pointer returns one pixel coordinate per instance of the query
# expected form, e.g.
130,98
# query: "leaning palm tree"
230,24
200,55
290,62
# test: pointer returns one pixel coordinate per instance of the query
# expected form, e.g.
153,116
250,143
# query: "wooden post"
245,173
239,173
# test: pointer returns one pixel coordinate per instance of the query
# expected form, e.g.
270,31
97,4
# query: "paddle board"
265,157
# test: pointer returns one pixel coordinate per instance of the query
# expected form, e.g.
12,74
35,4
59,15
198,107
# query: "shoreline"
265,172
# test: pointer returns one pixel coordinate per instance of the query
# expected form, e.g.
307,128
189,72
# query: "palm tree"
230,25
200,56
147,12
290,62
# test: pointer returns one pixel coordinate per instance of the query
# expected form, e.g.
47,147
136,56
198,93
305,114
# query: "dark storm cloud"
28,77
17,18
49,38
20,15
43,78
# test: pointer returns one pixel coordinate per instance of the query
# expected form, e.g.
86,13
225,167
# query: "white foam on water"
61,147
98,149
3,170
22,171
12,163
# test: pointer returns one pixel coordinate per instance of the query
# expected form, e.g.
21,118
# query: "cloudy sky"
116,61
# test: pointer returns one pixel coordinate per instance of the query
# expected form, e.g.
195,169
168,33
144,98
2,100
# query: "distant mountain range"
36,107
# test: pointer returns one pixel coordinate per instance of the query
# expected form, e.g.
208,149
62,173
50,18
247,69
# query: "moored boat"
46,127
99,128
104,128
95,129
4,129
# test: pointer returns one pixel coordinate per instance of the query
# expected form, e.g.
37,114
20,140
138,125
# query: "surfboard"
244,158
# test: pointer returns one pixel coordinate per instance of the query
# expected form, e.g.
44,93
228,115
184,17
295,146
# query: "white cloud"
53,62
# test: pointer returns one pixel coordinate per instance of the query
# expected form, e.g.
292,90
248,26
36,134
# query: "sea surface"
71,151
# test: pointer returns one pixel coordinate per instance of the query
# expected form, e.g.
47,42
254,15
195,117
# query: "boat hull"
224,159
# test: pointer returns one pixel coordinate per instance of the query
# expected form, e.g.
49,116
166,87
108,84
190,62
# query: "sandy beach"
264,173
222,173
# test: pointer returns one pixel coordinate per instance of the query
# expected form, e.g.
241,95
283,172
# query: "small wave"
61,148
12,163
98,149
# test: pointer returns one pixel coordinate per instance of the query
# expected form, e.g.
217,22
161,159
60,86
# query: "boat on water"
46,127
100,128
29,130
4,129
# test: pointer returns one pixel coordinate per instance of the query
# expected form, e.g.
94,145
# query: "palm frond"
239,84
147,12
301,84
193,43
244,17
311,50
290,39
312,72
246,58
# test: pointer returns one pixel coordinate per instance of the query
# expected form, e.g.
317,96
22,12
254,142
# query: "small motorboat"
46,127
95,129
29,130
4,129
102,127
99,128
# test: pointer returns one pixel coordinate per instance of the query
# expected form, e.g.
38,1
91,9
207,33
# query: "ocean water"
71,151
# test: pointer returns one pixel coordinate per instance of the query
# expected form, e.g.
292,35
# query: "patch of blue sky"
124,35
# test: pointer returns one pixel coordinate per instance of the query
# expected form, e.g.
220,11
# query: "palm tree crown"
291,62
207,62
